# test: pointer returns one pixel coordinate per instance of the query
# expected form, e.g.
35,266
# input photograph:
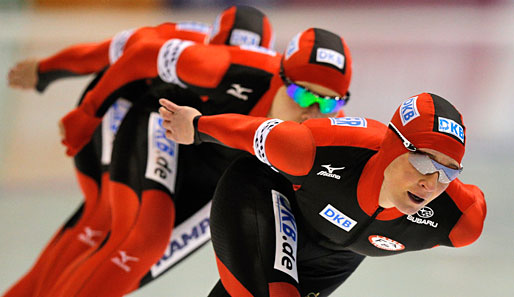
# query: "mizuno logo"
238,91
123,259
330,171
88,235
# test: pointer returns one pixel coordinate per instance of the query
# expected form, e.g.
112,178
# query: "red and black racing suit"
86,229
158,186
270,240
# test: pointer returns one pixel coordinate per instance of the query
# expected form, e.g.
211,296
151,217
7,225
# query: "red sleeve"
166,31
142,34
138,62
257,57
206,65
286,146
470,200
78,59
203,65
186,30
347,131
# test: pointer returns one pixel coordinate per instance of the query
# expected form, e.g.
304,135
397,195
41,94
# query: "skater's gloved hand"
76,129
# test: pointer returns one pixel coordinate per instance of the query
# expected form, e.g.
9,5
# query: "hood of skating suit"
242,25
321,57
316,56
427,121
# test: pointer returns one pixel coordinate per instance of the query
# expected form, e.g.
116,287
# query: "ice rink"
462,53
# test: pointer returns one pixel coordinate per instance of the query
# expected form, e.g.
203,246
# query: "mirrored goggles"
426,165
305,97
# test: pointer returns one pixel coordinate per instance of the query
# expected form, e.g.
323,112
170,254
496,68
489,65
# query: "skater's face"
408,187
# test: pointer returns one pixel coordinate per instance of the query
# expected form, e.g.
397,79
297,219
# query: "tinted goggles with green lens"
305,97
424,164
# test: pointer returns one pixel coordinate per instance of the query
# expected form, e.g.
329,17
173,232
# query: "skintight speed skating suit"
151,184
297,219
87,228
153,178
158,186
